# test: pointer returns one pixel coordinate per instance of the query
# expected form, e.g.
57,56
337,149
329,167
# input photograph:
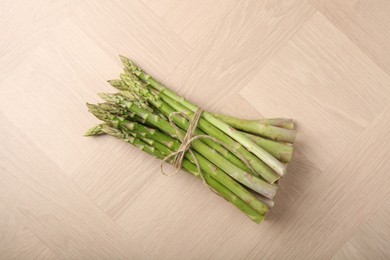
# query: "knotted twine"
186,141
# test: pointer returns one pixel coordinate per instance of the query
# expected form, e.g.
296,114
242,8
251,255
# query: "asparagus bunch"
239,159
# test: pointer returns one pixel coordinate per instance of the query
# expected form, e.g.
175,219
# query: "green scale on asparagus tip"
96,130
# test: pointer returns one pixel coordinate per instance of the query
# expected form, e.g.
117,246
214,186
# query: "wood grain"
53,207
16,239
25,25
324,63
373,238
366,23
232,54
340,106
192,21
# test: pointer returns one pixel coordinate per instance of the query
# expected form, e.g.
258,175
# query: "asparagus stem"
241,176
268,202
281,151
257,128
286,123
262,154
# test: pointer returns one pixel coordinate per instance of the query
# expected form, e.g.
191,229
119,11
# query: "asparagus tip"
125,61
97,111
90,106
122,57
95,130
129,65
104,96
118,84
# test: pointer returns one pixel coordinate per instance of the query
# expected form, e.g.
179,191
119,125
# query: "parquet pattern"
325,63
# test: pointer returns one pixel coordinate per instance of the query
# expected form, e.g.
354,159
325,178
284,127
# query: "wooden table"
324,63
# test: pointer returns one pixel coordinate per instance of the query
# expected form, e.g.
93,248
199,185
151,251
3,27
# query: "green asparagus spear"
258,128
241,176
262,154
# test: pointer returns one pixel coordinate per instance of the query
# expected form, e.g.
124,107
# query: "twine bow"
186,141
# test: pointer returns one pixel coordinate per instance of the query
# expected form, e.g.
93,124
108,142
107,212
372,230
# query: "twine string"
186,141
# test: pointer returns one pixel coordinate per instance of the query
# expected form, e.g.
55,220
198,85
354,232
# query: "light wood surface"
325,63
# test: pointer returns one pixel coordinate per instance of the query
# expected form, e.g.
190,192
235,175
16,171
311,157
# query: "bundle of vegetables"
239,159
